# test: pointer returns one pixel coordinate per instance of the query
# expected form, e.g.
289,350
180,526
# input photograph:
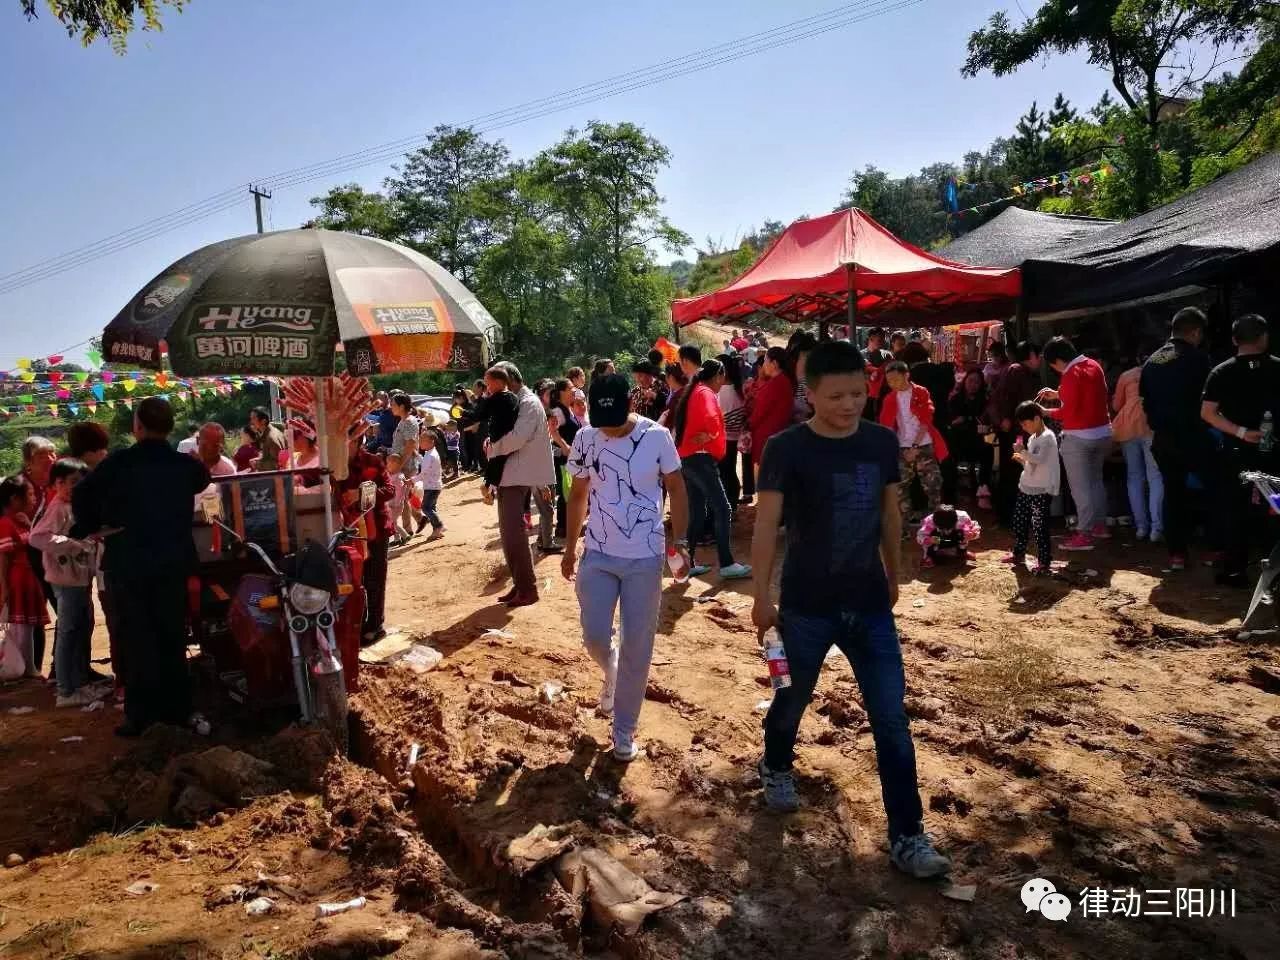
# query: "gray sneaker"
779,789
917,857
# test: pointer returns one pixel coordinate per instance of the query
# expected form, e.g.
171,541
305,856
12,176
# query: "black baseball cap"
609,401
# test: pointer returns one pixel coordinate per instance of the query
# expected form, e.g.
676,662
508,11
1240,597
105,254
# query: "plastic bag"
12,665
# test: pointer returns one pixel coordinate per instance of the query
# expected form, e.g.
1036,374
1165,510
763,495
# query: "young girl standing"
1038,485
22,601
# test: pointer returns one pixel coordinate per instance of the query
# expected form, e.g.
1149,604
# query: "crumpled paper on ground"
615,895
539,845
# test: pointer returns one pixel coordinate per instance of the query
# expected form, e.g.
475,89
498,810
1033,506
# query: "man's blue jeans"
74,632
871,644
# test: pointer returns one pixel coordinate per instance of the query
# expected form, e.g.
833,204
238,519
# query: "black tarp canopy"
1228,230
1017,235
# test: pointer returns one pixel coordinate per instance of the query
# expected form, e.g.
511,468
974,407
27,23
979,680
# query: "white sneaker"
610,683
79,698
624,749
1141,534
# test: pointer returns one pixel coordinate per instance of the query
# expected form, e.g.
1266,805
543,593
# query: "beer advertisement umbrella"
281,303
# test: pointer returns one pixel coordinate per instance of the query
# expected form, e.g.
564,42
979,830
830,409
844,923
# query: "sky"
234,91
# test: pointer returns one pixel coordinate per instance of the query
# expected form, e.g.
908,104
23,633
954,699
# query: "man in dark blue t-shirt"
834,480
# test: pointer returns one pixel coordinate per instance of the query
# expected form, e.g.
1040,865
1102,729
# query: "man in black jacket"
1171,386
144,494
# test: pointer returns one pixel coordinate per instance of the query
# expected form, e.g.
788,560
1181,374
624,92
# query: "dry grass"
994,580
1011,675
108,843
49,935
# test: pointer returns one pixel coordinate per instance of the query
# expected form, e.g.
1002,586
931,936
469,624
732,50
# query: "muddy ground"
1102,729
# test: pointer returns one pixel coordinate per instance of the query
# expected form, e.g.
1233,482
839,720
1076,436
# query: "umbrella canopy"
809,270
280,303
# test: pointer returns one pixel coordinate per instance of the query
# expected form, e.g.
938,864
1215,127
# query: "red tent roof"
806,275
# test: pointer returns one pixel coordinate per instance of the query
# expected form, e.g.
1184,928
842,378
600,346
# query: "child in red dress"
22,601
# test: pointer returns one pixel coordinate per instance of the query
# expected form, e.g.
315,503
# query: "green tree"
448,197
600,188
1138,42
1026,157
353,209
909,207
109,20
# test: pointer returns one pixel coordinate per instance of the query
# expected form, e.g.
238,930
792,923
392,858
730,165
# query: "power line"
354,161
700,60
397,146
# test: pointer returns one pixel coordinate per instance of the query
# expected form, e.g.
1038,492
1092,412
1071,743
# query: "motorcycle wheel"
329,695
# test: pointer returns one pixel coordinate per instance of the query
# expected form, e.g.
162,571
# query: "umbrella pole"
322,442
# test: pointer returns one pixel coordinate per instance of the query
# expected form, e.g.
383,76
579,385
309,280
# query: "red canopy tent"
810,270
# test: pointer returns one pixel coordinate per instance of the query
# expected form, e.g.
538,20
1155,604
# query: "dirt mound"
299,755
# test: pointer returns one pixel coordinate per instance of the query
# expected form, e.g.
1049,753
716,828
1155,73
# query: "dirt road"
1102,730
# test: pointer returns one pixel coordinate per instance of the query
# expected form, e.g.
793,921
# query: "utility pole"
273,391
258,194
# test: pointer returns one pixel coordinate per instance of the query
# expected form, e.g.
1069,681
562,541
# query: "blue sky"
235,90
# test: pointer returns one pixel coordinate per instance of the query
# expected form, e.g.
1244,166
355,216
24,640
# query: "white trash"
259,906
421,658
333,909
550,691
141,888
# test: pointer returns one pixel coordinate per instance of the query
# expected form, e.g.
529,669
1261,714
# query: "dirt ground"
1104,729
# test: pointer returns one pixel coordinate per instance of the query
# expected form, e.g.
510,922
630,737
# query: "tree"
909,207
109,20
353,209
1138,42
1026,160
600,185
447,197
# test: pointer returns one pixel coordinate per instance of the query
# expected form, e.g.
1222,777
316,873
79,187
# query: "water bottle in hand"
679,566
775,656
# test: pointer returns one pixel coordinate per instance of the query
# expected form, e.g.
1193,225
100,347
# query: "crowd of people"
852,452
1177,428
81,519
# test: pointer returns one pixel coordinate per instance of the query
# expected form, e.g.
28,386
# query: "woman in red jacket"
698,429
772,407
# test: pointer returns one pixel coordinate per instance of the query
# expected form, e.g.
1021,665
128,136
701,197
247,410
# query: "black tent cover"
1228,230
1017,235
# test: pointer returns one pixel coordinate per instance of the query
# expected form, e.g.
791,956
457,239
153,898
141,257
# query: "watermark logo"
1043,897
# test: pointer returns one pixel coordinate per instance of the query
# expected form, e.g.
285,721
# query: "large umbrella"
280,303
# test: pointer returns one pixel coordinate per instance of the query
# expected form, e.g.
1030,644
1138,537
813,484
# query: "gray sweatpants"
1083,460
604,582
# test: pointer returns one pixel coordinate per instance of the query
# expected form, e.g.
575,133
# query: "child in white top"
431,476
1039,484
